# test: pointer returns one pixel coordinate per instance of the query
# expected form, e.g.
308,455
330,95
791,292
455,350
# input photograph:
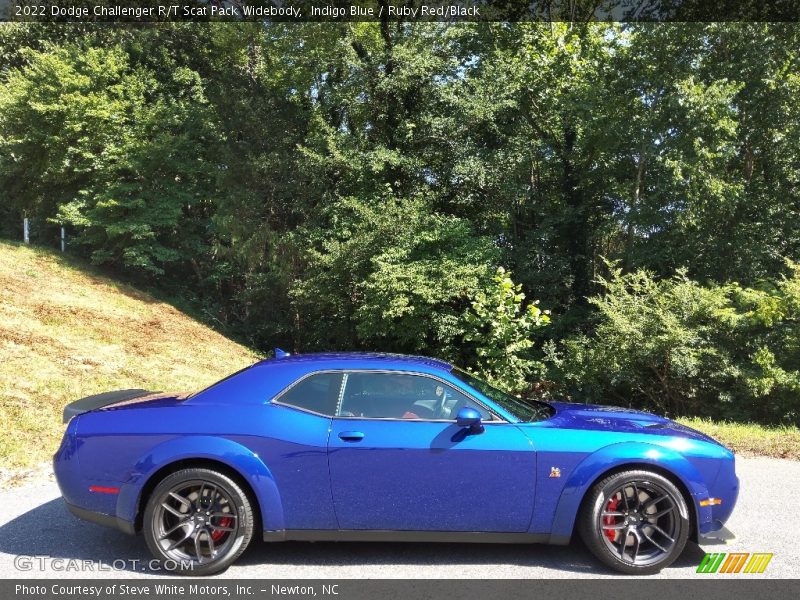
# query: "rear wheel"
198,521
635,522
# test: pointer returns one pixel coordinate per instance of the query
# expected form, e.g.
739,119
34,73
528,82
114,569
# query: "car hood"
613,418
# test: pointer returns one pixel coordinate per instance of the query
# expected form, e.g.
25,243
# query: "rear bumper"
102,519
86,499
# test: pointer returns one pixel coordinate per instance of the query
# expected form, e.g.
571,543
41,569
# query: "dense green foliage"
682,348
358,185
109,149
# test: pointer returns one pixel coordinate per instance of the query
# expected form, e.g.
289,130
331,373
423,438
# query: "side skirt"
363,535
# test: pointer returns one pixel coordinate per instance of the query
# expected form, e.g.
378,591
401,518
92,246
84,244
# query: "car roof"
352,359
266,378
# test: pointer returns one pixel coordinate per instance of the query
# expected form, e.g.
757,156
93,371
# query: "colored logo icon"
734,562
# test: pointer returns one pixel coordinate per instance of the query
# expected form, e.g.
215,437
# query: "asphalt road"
35,523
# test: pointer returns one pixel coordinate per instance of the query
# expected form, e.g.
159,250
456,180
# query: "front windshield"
526,410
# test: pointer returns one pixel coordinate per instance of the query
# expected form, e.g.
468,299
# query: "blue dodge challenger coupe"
351,446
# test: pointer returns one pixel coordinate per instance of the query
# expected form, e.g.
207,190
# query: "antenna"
281,353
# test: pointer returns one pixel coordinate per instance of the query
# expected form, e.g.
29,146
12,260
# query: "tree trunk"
576,225
633,208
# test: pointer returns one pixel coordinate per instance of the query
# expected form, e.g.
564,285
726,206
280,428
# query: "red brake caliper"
217,534
611,534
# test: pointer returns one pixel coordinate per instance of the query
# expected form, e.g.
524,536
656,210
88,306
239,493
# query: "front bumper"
720,536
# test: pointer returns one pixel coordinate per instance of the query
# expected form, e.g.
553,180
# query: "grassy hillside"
66,332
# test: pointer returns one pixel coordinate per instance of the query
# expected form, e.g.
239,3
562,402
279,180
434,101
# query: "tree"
501,327
393,276
684,349
90,140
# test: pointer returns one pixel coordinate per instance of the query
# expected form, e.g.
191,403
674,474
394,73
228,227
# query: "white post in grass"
25,232
62,238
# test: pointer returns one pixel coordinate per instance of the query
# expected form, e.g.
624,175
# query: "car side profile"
355,446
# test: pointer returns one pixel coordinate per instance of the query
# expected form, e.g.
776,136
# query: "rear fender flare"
235,456
633,454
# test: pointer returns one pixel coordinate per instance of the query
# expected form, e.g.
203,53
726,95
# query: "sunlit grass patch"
751,438
67,332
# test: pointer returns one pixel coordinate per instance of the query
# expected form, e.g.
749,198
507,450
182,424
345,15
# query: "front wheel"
636,522
198,521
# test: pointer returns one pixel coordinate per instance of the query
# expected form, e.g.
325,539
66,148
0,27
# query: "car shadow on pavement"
49,530
573,558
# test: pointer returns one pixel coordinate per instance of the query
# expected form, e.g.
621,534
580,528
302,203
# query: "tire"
197,522
636,522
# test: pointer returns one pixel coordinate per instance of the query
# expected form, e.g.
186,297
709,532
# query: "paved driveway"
34,522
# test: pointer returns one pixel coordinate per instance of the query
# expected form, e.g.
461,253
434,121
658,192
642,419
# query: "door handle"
351,436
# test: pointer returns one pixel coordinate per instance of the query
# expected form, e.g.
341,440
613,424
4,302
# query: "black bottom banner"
422,589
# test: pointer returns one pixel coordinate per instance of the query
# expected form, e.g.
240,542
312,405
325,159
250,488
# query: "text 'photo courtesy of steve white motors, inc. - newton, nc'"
234,11
176,589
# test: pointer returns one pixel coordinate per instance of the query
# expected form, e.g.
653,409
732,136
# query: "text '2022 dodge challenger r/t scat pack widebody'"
351,446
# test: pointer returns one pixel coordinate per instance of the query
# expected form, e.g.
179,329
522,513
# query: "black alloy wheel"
636,522
197,522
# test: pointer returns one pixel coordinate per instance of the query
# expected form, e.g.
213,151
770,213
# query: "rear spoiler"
89,403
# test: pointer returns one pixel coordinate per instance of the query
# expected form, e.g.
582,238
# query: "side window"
457,400
317,393
402,396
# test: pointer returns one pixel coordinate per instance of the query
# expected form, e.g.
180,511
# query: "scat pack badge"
555,472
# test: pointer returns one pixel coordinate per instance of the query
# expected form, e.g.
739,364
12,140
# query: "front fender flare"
621,455
234,455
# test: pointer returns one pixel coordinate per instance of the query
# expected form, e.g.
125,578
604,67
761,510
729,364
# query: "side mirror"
469,417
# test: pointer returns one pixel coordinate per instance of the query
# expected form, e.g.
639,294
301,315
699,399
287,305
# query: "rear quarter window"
318,393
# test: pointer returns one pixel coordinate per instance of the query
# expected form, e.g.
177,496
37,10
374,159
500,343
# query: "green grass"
67,332
751,438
